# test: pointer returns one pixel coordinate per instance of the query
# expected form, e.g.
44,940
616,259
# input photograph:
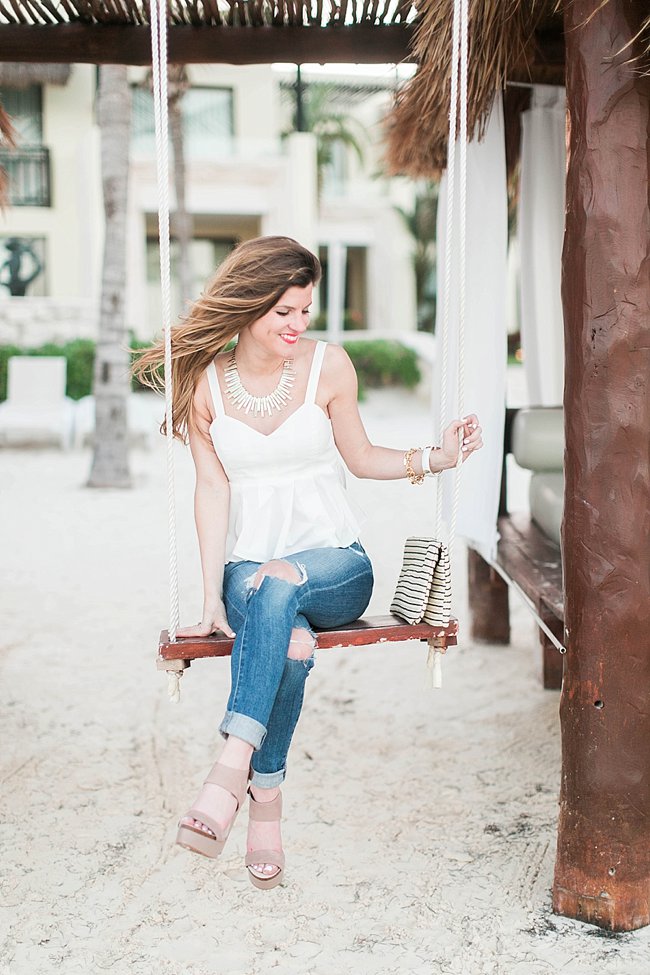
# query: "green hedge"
378,363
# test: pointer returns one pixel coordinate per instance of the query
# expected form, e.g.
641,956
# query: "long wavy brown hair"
245,287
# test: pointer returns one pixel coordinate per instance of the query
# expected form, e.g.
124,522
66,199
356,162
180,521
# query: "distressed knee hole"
279,569
301,645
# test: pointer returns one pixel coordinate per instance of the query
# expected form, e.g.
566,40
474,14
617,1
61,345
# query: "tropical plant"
420,221
318,114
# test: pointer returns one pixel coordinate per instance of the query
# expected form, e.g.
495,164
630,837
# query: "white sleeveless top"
287,488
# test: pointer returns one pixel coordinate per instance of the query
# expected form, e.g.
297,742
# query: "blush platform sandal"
232,780
265,812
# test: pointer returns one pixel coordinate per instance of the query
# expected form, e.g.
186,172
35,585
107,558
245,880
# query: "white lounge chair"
144,413
36,410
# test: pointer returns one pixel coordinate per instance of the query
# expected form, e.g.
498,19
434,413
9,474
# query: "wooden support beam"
552,659
602,872
129,44
488,606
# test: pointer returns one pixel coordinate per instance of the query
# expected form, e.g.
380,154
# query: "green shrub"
352,321
381,362
6,352
378,362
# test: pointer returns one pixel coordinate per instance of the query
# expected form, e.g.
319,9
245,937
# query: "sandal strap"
234,780
265,812
204,818
274,857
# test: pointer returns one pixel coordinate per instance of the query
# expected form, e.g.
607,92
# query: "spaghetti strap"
314,373
215,389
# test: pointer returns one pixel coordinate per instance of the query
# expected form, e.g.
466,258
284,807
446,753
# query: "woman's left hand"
472,441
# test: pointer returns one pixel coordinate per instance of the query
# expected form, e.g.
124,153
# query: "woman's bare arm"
211,508
363,458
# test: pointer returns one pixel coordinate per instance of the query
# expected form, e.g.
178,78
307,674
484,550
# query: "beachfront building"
248,173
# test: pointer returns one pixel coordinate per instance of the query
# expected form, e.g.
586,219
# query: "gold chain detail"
410,473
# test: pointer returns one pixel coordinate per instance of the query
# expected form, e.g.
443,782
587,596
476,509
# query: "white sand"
420,825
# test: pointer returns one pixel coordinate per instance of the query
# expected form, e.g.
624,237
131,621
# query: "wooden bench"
532,561
366,631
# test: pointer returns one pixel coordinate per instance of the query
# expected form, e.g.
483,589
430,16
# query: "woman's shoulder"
338,375
336,358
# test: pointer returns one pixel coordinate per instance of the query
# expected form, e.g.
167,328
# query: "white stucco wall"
268,185
73,225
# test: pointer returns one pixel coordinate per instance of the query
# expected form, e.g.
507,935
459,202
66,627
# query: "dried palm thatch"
218,13
502,44
500,33
19,74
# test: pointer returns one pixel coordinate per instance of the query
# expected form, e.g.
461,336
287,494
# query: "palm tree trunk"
110,466
182,220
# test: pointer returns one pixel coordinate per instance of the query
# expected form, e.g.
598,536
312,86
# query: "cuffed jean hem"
267,780
241,726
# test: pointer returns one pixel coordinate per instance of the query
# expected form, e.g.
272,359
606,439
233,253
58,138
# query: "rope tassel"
434,667
174,686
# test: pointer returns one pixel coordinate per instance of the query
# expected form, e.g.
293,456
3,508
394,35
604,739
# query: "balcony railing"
29,175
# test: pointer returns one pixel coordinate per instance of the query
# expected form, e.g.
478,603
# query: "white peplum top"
287,488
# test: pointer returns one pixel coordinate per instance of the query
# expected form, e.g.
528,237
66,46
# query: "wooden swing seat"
363,632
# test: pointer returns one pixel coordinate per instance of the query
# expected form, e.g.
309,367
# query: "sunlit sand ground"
420,825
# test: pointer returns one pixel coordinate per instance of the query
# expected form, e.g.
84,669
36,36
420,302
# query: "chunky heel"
265,812
232,780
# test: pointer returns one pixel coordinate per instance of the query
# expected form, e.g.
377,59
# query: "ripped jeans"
267,687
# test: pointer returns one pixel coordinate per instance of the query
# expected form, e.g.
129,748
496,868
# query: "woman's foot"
219,802
264,834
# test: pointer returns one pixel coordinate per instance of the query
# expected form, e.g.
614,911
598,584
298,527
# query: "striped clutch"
423,591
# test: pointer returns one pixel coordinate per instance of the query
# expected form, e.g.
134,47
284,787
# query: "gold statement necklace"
258,405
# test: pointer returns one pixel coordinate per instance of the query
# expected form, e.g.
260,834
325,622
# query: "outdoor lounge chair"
36,411
143,418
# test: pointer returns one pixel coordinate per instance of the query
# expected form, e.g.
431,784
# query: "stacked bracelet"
426,469
410,473
426,454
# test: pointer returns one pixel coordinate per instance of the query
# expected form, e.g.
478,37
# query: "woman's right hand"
214,618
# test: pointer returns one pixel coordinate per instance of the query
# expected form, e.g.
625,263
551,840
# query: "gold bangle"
410,473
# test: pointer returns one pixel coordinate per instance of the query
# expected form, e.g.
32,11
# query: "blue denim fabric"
268,687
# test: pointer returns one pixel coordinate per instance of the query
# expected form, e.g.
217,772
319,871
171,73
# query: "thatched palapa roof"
509,40
218,13
230,31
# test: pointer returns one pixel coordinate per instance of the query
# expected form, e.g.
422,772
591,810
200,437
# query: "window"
27,166
208,124
25,108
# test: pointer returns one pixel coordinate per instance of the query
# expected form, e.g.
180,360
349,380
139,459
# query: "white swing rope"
459,67
457,123
161,118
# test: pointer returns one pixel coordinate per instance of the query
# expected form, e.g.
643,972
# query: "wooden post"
488,601
552,659
602,872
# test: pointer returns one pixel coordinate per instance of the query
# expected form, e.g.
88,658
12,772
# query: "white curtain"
541,231
485,349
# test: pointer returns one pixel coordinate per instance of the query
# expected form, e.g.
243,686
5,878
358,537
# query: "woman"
279,544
